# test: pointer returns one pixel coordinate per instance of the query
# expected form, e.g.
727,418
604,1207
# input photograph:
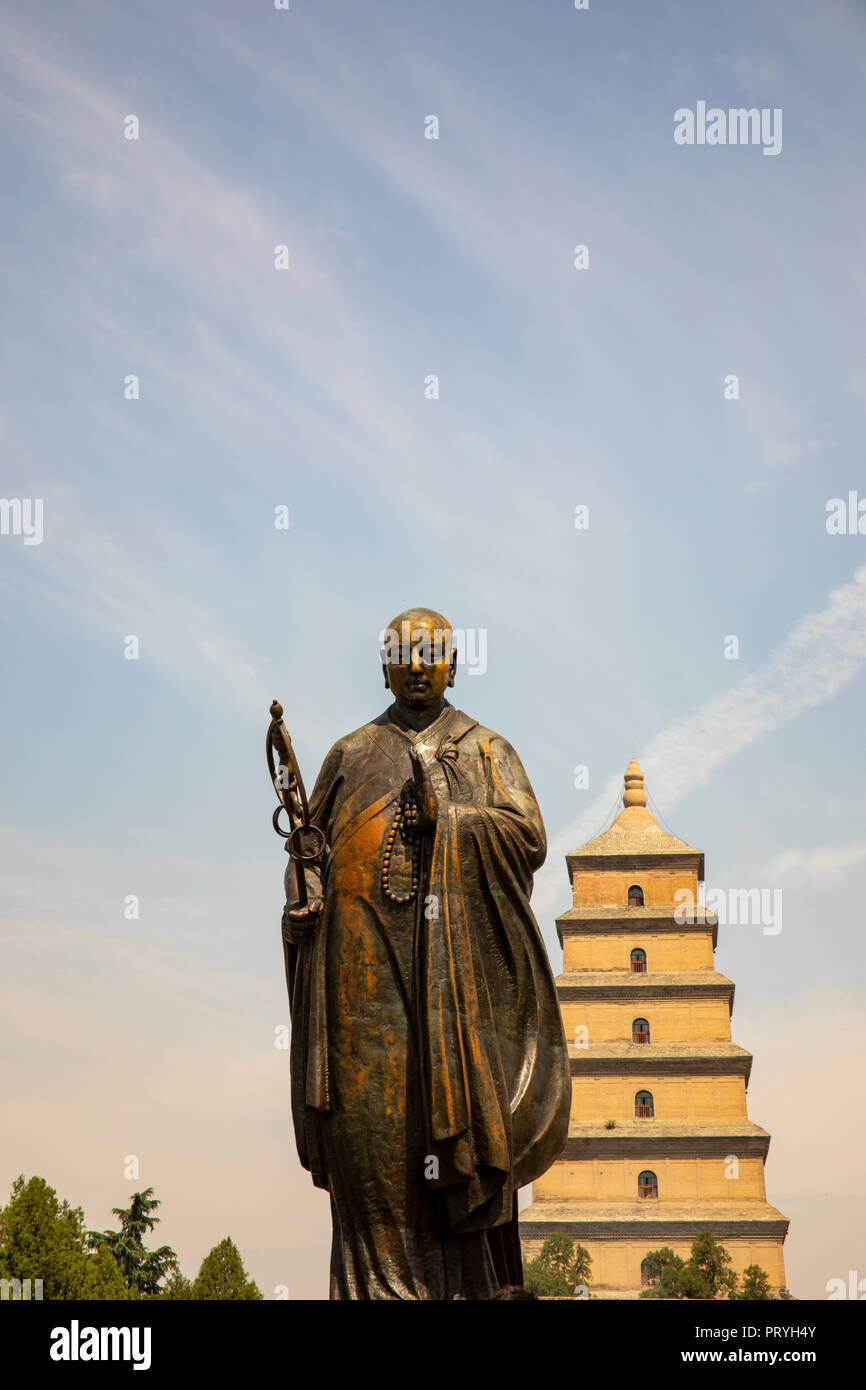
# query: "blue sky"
305,388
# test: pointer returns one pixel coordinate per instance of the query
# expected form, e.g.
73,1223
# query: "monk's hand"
299,923
420,789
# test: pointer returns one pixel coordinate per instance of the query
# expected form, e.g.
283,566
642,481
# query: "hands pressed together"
418,792
419,801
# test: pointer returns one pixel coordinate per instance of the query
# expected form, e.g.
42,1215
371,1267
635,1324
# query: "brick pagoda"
660,1145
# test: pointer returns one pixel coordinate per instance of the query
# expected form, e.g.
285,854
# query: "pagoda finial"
634,794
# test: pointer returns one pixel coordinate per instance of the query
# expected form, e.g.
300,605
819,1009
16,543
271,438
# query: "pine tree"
42,1238
222,1276
142,1270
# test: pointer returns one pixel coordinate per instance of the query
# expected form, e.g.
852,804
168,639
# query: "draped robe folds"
430,1075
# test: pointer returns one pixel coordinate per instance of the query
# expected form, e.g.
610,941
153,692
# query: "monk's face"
418,661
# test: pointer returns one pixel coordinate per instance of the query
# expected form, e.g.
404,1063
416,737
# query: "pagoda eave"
614,1144
616,921
625,861
655,1229
657,1059
593,985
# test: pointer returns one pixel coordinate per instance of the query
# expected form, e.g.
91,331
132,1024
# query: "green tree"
103,1280
713,1260
42,1238
177,1287
222,1276
665,1269
756,1284
143,1270
692,1282
706,1273
558,1268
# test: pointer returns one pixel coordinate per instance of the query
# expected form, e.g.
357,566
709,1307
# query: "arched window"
638,961
640,1031
643,1106
647,1185
646,1277
635,895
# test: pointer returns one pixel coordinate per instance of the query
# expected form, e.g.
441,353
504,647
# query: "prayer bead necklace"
405,822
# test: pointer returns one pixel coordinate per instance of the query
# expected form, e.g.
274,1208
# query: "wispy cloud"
307,360
824,862
820,655
156,592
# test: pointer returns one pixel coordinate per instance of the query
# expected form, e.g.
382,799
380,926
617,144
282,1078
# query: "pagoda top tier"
635,833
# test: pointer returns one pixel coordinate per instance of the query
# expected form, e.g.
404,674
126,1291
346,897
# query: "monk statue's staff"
304,841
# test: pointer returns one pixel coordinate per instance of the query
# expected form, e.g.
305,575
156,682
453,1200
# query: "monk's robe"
430,1075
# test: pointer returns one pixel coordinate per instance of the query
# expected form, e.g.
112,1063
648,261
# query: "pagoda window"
640,1031
638,961
644,1109
647,1185
635,895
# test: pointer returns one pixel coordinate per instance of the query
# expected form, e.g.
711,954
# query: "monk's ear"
453,671
385,674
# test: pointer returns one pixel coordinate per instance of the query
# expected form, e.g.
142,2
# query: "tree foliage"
43,1238
706,1274
143,1270
222,1276
103,1280
559,1268
177,1287
665,1269
713,1261
756,1284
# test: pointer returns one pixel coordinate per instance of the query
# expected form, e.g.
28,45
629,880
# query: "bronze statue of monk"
430,1075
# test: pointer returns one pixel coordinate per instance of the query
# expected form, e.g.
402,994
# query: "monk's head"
418,660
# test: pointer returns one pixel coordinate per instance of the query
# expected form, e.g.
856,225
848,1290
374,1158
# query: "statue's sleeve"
305,979
511,807
497,1061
